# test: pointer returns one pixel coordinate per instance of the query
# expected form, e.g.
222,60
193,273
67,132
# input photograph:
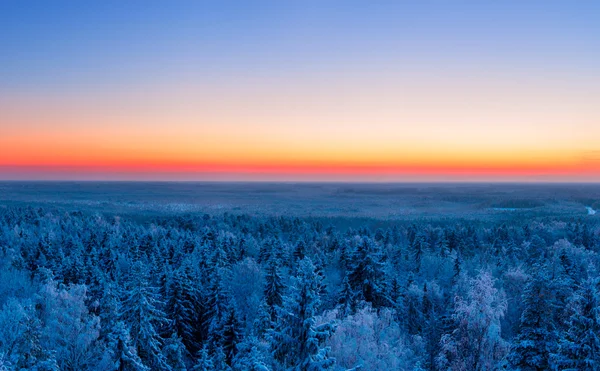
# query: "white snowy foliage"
476,343
70,331
374,341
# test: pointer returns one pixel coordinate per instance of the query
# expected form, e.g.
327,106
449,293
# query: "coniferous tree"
141,311
173,352
580,345
366,276
217,306
249,356
204,362
120,353
232,336
182,307
536,339
296,340
347,298
420,245
273,286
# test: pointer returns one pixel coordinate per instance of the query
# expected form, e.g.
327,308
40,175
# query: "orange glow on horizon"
514,171
366,130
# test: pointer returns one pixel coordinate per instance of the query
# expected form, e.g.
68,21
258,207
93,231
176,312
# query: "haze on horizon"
300,90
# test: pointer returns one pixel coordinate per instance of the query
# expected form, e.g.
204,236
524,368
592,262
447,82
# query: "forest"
81,290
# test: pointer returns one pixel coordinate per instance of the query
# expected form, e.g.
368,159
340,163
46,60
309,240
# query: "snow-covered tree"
580,345
120,354
296,340
141,311
249,357
232,335
369,340
20,339
70,331
182,306
537,338
367,276
174,353
273,286
476,343
204,362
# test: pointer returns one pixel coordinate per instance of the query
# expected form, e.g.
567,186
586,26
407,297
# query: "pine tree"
219,359
141,311
204,362
263,321
173,352
580,346
420,245
457,268
366,276
296,339
412,316
182,307
217,306
431,329
122,355
299,250
536,339
444,248
232,335
249,357
346,298
273,286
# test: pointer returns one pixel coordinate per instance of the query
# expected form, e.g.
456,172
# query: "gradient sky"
300,90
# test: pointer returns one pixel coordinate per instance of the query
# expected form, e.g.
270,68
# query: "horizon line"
324,181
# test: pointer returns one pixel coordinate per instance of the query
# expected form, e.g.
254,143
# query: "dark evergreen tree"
580,345
347,298
141,310
182,306
174,353
218,302
537,338
296,341
273,286
121,354
232,336
420,245
367,277
204,362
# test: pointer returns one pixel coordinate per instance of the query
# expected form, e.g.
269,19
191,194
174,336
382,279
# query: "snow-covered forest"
81,291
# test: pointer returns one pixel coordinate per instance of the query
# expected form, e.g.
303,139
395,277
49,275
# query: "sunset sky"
300,90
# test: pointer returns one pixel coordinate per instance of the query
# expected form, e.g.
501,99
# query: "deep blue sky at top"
111,42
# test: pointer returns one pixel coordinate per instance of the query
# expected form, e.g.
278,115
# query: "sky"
300,90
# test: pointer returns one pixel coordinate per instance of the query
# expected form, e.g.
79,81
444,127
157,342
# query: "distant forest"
84,291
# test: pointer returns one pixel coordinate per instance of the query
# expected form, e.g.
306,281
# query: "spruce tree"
366,276
273,286
580,345
249,357
296,341
204,362
121,352
536,338
141,311
232,335
182,307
